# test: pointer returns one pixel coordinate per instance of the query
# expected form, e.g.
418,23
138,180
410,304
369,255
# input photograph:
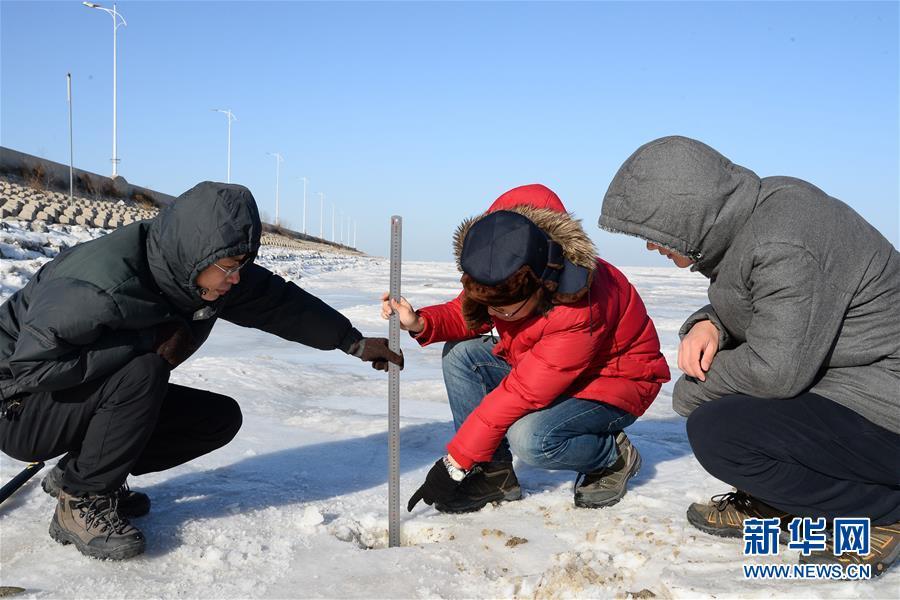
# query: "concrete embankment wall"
46,175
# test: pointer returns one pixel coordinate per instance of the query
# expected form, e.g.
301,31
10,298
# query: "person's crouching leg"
87,514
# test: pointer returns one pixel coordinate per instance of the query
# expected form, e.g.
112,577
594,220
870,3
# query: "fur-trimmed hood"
561,226
572,277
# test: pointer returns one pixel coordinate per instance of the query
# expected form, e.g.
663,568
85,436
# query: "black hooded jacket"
98,305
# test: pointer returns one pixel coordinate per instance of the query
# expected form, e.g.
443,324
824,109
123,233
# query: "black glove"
438,486
174,342
376,351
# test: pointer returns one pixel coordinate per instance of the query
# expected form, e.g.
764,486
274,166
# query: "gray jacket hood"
682,195
206,223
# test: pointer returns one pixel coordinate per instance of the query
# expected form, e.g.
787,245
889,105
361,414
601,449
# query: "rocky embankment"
42,208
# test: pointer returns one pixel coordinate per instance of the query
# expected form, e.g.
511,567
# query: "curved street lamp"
278,160
118,20
305,181
321,215
230,116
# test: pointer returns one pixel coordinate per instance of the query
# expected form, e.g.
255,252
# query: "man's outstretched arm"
267,302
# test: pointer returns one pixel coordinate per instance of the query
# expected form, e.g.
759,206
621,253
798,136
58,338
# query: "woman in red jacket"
577,359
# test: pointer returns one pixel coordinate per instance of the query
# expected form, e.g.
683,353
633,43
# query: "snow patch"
293,504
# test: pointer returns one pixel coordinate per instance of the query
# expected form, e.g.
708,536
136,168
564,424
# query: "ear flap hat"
507,255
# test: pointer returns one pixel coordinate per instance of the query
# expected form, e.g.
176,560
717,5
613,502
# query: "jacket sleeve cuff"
350,338
464,461
424,336
707,313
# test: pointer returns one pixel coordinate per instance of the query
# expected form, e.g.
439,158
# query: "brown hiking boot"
131,504
724,514
884,550
94,525
488,482
607,486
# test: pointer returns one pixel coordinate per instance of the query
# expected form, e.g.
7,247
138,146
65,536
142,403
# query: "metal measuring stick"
394,392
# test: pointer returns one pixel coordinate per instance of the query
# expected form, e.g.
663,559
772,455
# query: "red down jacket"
604,349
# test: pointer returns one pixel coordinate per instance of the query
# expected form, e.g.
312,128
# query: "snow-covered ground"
296,505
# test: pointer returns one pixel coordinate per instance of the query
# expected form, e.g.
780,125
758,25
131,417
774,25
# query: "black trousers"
133,421
808,456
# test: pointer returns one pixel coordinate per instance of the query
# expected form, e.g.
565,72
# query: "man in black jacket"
87,346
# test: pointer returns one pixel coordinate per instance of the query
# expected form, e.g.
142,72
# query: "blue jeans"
570,434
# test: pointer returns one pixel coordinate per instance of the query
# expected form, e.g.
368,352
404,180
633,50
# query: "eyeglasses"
508,315
232,270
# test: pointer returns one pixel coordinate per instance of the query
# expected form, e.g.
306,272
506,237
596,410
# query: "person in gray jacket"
87,345
791,378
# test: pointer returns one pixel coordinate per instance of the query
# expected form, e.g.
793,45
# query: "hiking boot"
488,482
884,550
96,528
131,504
607,486
724,514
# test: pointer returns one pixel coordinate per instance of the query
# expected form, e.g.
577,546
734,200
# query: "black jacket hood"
681,194
206,223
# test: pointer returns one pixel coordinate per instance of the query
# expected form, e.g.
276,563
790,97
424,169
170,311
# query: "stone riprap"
43,208
274,239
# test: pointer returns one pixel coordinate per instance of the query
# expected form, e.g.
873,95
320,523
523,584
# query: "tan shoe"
724,514
607,486
132,504
884,550
95,526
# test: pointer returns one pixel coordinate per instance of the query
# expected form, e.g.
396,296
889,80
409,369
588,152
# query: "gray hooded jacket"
96,306
804,292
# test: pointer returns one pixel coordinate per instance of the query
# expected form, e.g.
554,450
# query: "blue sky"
431,110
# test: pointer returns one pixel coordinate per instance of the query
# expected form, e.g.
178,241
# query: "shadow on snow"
291,476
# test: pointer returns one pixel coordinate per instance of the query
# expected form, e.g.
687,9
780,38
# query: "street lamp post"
278,160
321,215
230,116
333,208
71,143
305,181
118,20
